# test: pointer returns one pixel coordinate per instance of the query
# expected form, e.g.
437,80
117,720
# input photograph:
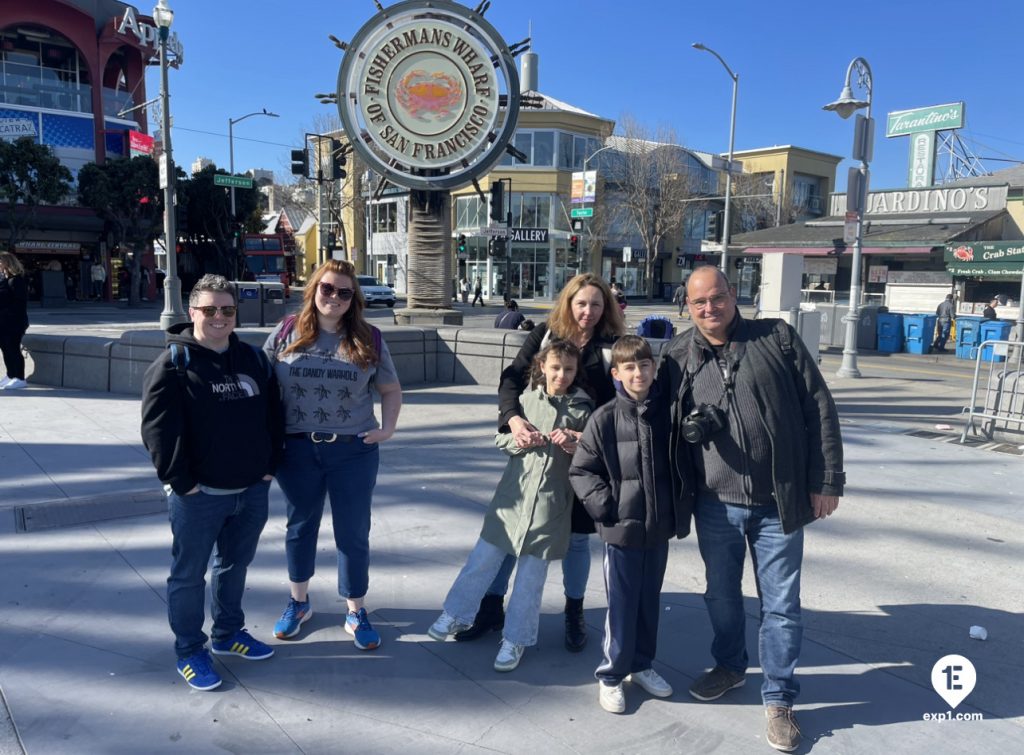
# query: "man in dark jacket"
989,313
510,318
752,412
211,420
944,314
620,472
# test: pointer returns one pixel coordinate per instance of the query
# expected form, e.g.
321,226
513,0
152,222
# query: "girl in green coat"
530,513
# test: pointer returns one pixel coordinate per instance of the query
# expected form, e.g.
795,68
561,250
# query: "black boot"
575,627
489,618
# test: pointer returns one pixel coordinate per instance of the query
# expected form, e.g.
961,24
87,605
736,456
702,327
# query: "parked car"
374,292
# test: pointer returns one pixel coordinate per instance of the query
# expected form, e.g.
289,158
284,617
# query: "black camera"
702,423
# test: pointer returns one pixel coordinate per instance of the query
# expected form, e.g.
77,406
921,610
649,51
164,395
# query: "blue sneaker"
358,625
294,616
243,645
198,671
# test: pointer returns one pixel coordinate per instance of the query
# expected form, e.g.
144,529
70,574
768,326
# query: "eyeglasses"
328,291
228,311
716,302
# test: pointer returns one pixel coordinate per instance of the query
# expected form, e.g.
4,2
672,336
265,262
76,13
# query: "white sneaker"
651,682
14,384
611,697
445,626
4,382
509,656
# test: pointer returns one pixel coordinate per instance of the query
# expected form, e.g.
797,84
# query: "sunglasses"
328,291
228,311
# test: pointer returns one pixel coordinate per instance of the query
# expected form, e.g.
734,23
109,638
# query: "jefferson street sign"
239,182
582,212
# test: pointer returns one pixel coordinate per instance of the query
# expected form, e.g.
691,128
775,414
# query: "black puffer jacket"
13,304
620,472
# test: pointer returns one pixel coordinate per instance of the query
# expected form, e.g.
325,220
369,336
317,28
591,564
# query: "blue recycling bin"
968,336
890,332
994,330
918,333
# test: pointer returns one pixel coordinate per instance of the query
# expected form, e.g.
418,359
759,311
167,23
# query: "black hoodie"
220,423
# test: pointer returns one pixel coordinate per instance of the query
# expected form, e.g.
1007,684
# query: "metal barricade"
1002,405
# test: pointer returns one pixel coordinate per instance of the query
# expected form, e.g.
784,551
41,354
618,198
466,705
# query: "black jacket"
13,304
219,423
793,402
620,472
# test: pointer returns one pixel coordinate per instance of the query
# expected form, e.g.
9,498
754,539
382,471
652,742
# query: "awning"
820,251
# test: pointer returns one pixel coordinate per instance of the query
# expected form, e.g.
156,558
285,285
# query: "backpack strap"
180,358
287,326
378,340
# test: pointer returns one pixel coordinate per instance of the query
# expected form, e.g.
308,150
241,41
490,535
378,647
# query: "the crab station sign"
429,95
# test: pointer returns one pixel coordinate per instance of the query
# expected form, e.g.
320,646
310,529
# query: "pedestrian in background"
98,277
211,421
621,474
529,516
464,290
327,359
989,313
679,298
13,320
945,314
586,315
753,415
478,293
510,318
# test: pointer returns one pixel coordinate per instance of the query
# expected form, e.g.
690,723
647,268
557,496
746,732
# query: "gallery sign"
421,92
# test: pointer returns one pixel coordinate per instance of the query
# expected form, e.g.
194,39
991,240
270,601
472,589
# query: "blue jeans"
522,618
199,523
346,473
723,534
944,327
575,569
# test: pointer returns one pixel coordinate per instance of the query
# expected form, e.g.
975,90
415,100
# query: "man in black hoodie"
211,420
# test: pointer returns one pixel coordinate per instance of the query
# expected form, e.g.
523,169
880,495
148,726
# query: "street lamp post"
845,107
728,169
173,313
231,146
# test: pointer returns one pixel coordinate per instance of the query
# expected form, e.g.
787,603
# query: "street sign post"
239,182
582,212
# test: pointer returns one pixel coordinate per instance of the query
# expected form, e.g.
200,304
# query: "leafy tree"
125,193
209,220
30,175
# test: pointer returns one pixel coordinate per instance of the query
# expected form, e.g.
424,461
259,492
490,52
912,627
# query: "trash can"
867,327
273,303
968,336
890,332
918,333
248,303
54,293
994,330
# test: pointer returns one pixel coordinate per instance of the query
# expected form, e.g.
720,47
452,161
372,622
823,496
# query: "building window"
807,193
385,217
42,69
531,210
470,212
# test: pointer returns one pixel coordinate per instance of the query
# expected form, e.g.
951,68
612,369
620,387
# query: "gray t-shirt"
325,392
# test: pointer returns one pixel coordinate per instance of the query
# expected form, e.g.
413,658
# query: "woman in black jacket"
13,320
587,315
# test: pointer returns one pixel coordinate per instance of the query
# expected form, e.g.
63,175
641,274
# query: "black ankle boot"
575,627
489,618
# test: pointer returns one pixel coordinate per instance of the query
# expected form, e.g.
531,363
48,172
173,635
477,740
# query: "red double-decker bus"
268,258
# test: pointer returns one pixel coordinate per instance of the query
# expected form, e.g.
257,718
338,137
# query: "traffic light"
300,162
337,160
496,246
462,243
332,239
574,244
714,227
498,202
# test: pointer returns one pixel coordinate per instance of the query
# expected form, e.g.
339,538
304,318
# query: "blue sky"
632,59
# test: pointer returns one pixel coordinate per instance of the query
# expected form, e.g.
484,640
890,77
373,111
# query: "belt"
317,437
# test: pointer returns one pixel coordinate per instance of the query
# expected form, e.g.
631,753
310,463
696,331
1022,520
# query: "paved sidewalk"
928,541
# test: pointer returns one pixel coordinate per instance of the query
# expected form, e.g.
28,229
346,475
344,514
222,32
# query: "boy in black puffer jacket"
620,472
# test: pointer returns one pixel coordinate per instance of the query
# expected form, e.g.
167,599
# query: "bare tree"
651,185
757,205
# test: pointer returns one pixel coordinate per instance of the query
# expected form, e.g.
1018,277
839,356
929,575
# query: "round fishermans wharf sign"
428,94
